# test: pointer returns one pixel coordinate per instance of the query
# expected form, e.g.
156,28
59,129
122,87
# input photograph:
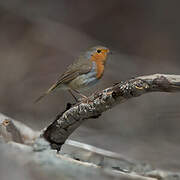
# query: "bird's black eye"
98,51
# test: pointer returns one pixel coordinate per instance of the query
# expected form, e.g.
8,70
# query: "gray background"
39,38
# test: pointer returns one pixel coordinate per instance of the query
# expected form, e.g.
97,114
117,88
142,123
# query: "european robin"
87,70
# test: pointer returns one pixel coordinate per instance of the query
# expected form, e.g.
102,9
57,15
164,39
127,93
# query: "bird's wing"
73,71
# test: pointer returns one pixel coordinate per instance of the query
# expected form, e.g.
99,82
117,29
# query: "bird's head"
99,54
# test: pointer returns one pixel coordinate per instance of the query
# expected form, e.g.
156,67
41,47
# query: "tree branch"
99,102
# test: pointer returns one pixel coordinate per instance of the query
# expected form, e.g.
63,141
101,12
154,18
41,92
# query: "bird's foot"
83,98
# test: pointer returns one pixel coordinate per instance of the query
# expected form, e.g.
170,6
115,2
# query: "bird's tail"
46,93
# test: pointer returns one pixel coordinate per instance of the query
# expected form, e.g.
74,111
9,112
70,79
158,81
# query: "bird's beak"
108,51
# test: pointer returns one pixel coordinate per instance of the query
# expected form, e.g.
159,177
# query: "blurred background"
39,38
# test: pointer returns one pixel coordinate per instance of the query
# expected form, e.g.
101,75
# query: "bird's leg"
83,96
73,95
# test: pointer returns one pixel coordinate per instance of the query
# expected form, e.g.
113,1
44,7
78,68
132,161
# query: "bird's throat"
99,69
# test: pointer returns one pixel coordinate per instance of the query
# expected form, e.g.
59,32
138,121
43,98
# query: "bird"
84,72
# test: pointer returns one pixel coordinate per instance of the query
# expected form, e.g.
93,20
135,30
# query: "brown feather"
82,66
47,92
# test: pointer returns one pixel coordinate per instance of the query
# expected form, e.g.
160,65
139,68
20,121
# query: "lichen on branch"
70,119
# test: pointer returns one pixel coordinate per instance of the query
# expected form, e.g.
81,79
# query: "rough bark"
99,102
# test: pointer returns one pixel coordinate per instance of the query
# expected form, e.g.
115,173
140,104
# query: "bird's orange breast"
99,69
99,59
